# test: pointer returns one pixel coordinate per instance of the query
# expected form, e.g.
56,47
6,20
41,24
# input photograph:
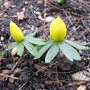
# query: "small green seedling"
22,42
57,43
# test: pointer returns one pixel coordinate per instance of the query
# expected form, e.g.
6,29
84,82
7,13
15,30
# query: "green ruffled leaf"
35,41
76,45
20,48
30,48
69,51
43,50
52,52
32,34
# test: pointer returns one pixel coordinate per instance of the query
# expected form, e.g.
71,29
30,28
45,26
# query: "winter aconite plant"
57,43
22,41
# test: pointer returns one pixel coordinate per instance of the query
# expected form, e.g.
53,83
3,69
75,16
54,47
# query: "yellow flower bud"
57,29
16,32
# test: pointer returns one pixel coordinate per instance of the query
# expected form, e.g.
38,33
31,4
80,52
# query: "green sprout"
22,41
60,1
57,43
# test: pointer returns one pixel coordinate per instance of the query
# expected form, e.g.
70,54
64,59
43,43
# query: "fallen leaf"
20,15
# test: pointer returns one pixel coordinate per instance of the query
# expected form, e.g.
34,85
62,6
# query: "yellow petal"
16,32
57,29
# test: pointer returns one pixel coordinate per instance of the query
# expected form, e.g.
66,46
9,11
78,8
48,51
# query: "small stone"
81,87
14,51
11,79
28,26
81,76
26,2
13,6
17,70
48,19
61,55
7,4
40,2
10,66
24,9
2,38
37,12
74,28
80,51
40,17
72,39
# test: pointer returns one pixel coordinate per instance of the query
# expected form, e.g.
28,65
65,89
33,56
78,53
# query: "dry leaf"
20,15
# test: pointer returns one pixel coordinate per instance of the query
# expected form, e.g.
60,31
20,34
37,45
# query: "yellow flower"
57,29
16,32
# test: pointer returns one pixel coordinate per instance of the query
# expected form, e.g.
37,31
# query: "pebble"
13,6
81,87
26,2
40,17
11,79
28,26
80,51
14,51
81,76
17,70
40,2
74,28
2,38
37,12
48,19
10,66
72,39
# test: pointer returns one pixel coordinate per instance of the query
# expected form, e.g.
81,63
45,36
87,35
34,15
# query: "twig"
58,77
67,17
22,86
16,64
85,25
4,75
44,12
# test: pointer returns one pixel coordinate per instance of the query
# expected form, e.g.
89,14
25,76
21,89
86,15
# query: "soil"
37,75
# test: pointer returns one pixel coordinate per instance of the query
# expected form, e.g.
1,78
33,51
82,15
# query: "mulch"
25,73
